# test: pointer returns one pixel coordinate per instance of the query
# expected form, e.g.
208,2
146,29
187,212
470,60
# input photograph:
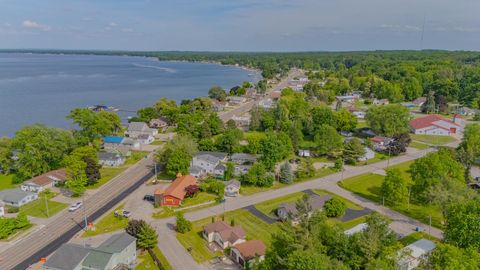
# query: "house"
241,169
369,154
117,252
242,121
136,129
465,111
242,158
2,209
382,101
158,123
110,159
204,163
266,103
47,180
304,153
232,188
359,114
367,132
237,99
348,98
219,106
248,253
358,228
17,197
175,193
219,170
412,255
434,125
250,93
419,101
380,143
288,211
111,141
145,138
223,234
122,145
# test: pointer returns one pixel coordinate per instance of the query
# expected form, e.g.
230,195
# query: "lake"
43,88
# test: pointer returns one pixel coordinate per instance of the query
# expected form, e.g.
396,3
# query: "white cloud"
35,25
113,24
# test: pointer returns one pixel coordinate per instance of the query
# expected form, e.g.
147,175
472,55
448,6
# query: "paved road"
42,242
401,224
246,107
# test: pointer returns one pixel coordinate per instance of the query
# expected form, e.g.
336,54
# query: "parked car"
149,198
75,206
124,213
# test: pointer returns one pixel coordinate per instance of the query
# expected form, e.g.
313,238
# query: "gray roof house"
110,159
204,163
17,197
117,251
242,158
232,188
286,211
136,129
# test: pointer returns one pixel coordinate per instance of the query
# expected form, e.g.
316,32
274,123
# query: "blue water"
41,88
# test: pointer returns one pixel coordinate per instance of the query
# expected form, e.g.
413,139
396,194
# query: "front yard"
6,181
38,208
147,262
108,223
200,198
108,173
369,186
432,139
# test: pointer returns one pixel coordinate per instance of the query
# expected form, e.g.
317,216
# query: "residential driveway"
351,214
252,209
139,208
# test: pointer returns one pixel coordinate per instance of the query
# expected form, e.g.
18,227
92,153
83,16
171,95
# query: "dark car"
149,198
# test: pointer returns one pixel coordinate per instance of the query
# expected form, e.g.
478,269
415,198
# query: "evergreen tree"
429,106
147,237
286,173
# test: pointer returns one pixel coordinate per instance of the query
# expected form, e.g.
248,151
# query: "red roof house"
434,125
245,253
175,193
44,181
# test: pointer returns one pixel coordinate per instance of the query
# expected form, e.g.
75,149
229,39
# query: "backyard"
6,181
108,173
432,139
38,208
108,223
148,263
369,185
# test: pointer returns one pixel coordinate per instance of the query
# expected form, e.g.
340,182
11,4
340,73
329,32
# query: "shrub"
183,224
334,207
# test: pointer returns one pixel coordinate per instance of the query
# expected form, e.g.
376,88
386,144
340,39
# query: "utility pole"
409,191
46,205
430,226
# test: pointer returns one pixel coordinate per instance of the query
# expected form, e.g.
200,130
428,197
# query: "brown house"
248,252
175,193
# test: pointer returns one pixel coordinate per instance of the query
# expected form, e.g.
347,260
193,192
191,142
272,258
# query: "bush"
212,186
12,209
334,207
183,224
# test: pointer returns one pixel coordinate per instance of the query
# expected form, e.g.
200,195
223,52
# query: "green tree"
305,169
352,151
217,92
230,141
463,221
394,187
321,116
262,87
147,237
309,260
429,106
229,171
183,225
286,173
258,176
95,125
275,146
345,120
469,149
134,227
328,141
448,257
389,120
5,154
177,154
335,207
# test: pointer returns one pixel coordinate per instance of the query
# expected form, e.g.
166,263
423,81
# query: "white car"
75,206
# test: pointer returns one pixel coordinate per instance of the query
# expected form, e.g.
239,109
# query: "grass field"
432,139
201,197
409,239
38,208
147,261
157,143
368,186
108,223
419,145
253,226
6,181
108,173
270,206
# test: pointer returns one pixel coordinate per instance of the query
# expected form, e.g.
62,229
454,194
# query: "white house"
232,188
136,129
223,234
145,138
412,255
17,197
47,180
242,121
359,114
434,125
243,158
303,153
207,163
2,209
237,99
266,103
358,228
248,253
110,159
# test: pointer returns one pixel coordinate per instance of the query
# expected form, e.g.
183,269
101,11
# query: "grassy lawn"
108,173
147,261
38,208
254,228
361,124
368,186
419,145
157,143
411,238
270,206
108,223
432,139
202,197
377,158
6,181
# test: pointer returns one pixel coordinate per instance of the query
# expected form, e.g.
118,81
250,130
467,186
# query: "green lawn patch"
270,206
377,158
147,262
253,226
202,197
368,186
348,203
432,139
157,143
108,173
362,124
413,237
108,223
38,208
418,145
6,181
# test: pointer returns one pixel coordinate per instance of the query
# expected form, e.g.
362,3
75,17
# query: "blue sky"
240,25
